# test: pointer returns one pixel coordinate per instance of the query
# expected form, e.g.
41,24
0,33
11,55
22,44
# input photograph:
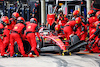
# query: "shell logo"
76,21
65,38
29,27
7,18
5,21
64,15
57,39
61,18
95,24
56,28
93,17
88,31
15,27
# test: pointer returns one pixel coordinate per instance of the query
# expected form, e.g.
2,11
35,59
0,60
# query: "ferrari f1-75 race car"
51,38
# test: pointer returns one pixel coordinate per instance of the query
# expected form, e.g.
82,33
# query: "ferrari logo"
29,27
15,27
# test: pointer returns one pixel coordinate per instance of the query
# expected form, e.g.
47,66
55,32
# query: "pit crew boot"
87,48
30,55
4,54
25,55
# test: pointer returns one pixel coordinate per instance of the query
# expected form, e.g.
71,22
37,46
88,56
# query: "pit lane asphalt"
53,60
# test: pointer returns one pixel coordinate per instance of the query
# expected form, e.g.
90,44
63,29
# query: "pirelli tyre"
26,45
39,44
74,39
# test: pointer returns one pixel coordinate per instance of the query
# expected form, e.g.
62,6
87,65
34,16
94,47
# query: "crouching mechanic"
96,35
31,28
17,33
68,30
80,29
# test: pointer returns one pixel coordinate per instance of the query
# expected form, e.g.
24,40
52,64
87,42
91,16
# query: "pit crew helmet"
20,20
33,20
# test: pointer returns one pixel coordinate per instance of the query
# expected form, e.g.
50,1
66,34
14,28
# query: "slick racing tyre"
26,45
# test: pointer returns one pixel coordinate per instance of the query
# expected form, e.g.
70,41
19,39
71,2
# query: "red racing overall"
95,48
91,22
1,41
7,29
16,35
68,29
6,34
30,35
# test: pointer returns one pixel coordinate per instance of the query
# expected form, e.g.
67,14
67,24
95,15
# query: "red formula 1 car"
51,38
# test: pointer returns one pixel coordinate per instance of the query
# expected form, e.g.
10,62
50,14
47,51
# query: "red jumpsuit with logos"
1,40
68,29
62,20
6,38
80,30
7,29
91,22
83,34
96,46
30,35
17,33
